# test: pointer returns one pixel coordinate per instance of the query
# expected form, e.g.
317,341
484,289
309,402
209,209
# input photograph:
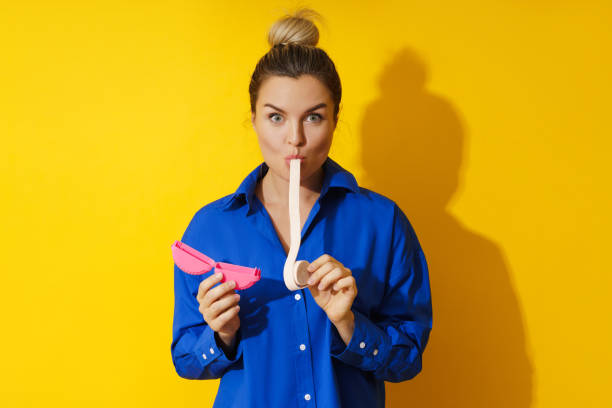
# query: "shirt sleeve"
194,349
392,340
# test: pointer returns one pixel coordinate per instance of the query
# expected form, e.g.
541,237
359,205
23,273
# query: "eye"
273,115
316,115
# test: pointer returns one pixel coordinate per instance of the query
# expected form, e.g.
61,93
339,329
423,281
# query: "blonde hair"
293,39
297,29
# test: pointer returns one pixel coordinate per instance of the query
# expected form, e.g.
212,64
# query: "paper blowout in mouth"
193,262
295,273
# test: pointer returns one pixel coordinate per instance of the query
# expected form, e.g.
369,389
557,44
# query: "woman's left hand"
333,287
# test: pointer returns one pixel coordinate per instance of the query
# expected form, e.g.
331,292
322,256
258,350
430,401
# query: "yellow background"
488,122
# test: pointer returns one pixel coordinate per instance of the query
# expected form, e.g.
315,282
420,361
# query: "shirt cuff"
368,348
211,355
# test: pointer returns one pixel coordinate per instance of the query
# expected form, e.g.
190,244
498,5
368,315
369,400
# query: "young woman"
365,316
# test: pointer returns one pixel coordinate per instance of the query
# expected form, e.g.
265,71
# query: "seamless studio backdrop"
487,122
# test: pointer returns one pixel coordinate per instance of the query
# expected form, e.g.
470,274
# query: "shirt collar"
335,176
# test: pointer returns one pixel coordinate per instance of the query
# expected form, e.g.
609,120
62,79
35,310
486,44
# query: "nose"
296,135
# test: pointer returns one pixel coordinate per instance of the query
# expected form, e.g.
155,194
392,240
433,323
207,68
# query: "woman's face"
294,116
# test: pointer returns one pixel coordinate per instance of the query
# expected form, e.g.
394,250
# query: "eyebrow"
321,105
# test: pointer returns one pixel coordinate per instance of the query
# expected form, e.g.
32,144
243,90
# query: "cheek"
321,137
268,141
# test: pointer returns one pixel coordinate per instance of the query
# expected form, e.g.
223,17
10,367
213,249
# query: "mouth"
289,158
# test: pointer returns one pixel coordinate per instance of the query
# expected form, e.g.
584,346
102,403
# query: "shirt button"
302,347
375,352
297,296
307,397
362,345
212,351
204,355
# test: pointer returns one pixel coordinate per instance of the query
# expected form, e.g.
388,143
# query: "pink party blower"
193,262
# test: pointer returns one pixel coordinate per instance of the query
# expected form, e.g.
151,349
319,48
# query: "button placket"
304,366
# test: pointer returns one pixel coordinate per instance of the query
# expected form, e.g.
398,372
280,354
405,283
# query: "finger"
320,273
221,305
225,317
218,291
317,263
332,277
346,282
208,283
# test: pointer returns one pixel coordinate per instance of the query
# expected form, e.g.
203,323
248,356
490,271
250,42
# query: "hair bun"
297,28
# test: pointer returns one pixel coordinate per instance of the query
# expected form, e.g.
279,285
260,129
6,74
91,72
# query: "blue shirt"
288,352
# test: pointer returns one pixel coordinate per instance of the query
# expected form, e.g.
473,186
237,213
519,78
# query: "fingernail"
309,269
232,284
310,281
218,274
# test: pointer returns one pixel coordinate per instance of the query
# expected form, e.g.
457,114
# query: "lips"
289,158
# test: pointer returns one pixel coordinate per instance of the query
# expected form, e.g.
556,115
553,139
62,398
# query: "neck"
275,190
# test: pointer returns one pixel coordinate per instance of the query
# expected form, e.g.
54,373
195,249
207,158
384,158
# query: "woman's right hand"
219,307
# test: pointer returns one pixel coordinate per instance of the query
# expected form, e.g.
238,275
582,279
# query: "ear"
253,119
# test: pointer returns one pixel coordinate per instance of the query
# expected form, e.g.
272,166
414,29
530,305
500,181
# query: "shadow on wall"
412,150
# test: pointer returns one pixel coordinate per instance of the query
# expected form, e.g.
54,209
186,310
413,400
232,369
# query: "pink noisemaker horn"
193,262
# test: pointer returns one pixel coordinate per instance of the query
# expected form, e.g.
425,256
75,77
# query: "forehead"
292,93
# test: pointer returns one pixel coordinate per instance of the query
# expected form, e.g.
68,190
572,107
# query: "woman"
365,316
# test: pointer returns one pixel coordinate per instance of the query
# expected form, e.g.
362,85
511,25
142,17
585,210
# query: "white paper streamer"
295,273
